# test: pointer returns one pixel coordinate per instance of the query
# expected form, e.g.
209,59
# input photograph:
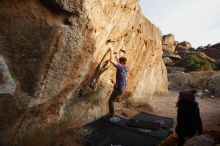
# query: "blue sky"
196,21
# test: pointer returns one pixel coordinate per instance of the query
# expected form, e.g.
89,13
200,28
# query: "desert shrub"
193,63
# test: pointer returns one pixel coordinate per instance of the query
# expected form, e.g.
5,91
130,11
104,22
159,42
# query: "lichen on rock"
7,85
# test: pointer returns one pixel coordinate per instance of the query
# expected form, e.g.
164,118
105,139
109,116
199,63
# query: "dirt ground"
165,105
209,111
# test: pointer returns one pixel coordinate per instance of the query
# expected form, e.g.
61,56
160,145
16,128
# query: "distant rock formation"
170,58
57,51
168,42
173,51
183,46
183,49
213,51
202,55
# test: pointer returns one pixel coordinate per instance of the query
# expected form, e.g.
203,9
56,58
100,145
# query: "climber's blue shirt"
121,76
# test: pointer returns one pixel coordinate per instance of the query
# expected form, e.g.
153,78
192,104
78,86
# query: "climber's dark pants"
115,93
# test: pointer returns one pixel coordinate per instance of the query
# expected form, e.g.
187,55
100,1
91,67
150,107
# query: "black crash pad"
144,124
165,122
160,133
106,132
117,121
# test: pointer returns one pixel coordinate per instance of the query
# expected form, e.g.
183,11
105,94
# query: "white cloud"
196,21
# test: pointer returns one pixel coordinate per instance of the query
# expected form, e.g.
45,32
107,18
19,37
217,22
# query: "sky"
195,21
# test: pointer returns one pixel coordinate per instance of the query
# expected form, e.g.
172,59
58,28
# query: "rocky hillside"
54,57
169,43
174,52
180,77
213,51
206,81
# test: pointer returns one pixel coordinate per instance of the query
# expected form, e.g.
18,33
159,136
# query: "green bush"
193,63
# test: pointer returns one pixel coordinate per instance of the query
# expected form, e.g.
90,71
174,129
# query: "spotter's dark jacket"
189,122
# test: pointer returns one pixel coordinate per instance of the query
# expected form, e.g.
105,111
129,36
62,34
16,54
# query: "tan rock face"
58,53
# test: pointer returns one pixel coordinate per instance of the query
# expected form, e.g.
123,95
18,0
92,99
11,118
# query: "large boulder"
201,48
186,45
168,42
217,45
57,51
168,45
168,61
171,55
213,51
183,47
202,55
170,58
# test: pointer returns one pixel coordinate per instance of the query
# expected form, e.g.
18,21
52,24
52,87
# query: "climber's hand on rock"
112,81
110,49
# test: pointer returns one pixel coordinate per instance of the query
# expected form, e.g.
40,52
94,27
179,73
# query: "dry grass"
140,105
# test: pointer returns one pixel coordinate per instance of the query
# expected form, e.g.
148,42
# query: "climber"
120,84
188,119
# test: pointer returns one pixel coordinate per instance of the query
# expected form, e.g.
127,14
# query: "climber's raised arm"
115,63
